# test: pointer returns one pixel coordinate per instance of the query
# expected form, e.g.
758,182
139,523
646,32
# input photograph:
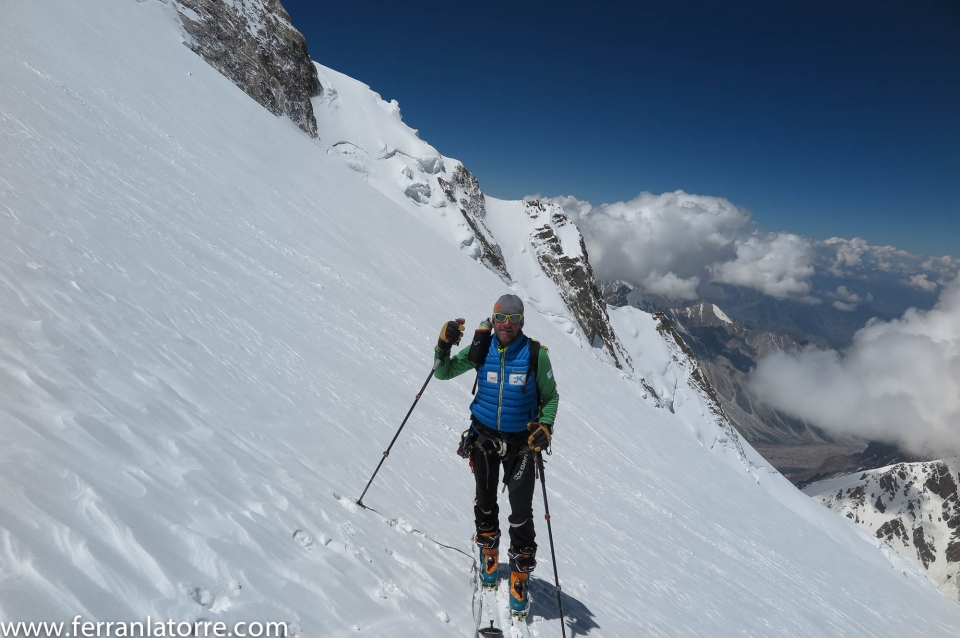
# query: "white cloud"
920,281
776,264
671,242
669,285
899,381
845,294
849,253
847,300
856,258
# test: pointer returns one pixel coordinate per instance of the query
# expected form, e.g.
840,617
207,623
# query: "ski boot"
521,564
489,557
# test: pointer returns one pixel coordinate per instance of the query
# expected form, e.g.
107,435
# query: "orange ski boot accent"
518,593
490,558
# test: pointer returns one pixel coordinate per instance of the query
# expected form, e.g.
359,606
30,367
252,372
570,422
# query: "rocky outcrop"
463,190
254,44
913,507
562,255
685,357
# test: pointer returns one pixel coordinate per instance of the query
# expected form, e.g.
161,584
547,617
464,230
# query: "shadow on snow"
579,619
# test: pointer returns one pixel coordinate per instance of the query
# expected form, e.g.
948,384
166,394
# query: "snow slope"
209,329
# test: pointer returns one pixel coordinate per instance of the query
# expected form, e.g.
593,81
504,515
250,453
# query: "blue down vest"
506,399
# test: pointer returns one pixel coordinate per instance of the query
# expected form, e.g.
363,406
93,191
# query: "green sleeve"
547,389
454,366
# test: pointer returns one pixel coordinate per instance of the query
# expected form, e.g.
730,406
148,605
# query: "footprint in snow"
390,589
401,525
348,504
215,602
304,539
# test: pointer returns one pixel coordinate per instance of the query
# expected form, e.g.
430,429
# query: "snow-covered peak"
721,315
705,313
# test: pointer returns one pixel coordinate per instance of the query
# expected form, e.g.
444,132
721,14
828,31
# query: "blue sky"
824,119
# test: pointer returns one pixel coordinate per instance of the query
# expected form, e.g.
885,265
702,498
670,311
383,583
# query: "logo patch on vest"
517,379
492,377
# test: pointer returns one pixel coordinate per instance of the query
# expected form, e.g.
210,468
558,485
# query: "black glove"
540,435
450,334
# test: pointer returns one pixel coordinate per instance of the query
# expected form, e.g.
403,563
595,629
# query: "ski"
519,624
494,619
489,623
486,610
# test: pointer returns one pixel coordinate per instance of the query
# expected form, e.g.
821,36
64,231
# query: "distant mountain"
821,324
877,454
726,350
913,507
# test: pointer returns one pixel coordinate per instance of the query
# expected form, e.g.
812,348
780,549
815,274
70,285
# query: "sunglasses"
499,316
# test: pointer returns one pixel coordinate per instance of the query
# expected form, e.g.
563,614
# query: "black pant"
519,464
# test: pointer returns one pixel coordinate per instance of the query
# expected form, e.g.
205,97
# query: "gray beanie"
509,304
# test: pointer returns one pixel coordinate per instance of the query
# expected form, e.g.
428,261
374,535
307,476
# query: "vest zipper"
503,355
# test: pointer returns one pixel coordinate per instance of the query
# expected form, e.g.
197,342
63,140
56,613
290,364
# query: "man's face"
506,331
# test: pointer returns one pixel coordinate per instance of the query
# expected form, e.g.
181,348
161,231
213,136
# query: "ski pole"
553,555
436,364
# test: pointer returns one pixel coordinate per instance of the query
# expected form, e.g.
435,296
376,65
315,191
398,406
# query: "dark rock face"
892,529
573,275
914,507
463,189
924,550
253,43
940,482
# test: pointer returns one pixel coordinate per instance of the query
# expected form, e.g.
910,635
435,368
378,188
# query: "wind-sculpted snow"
210,331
